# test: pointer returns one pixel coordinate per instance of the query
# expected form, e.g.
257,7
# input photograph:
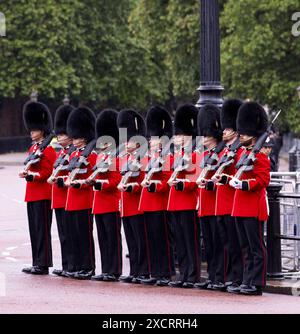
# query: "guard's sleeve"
163,186
261,171
113,177
46,165
138,180
92,158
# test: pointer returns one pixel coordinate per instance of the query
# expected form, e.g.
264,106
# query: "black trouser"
161,257
171,219
187,239
232,263
110,242
137,243
213,248
229,263
40,219
62,227
251,238
82,248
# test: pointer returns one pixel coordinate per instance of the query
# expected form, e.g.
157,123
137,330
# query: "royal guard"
132,167
59,191
81,127
38,122
183,198
154,197
105,179
209,127
232,261
250,206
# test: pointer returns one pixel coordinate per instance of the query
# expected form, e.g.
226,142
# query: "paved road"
27,294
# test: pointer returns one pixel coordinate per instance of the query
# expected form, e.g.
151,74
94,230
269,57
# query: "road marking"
11,199
5,253
11,248
26,244
11,259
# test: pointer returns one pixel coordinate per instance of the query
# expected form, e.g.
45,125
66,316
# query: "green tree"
260,56
34,54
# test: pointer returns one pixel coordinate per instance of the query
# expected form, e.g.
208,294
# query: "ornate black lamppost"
210,75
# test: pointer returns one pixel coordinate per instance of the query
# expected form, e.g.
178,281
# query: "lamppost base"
210,94
275,276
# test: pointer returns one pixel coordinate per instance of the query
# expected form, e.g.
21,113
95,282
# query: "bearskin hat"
229,113
209,124
61,118
36,116
159,122
81,124
106,124
133,122
185,122
252,119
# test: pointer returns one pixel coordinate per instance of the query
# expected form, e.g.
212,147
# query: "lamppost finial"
66,100
34,95
298,92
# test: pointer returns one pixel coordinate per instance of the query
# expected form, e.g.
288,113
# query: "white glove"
235,183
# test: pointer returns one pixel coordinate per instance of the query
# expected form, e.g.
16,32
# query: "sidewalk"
12,159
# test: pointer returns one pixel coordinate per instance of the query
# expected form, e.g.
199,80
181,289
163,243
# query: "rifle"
35,157
182,163
61,164
104,164
155,165
132,168
78,165
246,162
210,163
227,159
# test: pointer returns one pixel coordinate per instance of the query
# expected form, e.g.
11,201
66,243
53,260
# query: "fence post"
292,159
273,232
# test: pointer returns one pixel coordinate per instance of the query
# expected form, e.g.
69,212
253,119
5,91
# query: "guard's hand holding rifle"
225,161
209,163
103,166
181,164
147,183
60,164
155,166
34,158
124,187
132,169
236,183
78,165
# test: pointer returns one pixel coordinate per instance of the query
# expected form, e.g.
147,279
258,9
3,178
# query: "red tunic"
82,198
253,202
207,198
187,198
158,200
59,195
225,193
108,198
39,189
129,204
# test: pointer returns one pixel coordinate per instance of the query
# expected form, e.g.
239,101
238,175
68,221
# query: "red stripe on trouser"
196,248
168,244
